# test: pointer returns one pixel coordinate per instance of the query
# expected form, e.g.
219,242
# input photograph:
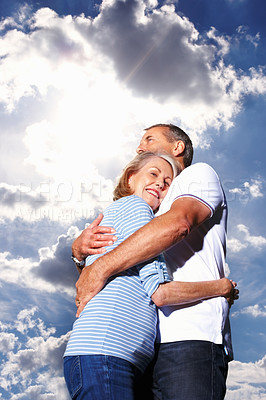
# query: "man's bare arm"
175,292
152,239
93,240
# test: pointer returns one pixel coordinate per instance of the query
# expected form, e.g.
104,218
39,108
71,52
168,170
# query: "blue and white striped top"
121,320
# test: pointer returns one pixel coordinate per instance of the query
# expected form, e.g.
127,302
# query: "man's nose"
140,149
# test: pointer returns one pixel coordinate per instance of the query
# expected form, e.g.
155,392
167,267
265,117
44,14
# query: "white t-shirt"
198,257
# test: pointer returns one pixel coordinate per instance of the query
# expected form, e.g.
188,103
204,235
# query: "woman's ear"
130,180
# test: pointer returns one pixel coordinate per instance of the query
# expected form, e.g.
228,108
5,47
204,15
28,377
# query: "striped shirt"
121,320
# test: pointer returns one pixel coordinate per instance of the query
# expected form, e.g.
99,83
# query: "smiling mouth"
154,193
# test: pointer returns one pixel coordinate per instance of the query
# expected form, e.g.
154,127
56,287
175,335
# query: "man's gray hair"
174,133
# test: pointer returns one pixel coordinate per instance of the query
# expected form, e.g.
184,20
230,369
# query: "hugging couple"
152,298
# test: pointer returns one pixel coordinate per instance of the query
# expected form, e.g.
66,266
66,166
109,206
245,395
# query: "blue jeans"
101,377
190,370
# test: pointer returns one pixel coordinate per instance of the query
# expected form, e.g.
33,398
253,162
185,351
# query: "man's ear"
179,148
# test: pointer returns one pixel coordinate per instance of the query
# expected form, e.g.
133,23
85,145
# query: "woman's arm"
176,292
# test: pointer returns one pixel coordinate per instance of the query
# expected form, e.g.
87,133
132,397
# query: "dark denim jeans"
190,370
101,378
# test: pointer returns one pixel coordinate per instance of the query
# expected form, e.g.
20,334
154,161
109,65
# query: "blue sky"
79,80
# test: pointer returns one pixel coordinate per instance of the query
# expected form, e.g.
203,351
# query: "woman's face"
152,181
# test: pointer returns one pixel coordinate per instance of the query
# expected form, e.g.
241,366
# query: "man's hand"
93,239
233,293
91,282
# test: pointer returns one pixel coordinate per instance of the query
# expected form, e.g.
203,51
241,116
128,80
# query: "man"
195,342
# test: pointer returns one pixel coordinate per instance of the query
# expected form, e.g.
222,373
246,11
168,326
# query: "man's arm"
153,238
92,240
175,292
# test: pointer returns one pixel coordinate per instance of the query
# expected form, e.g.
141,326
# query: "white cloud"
254,39
243,31
227,270
254,187
24,320
222,42
253,311
62,201
249,190
91,85
34,392
256,241
54,272
19,16
235,245
9,195
7,342
246,380
34,363
246,392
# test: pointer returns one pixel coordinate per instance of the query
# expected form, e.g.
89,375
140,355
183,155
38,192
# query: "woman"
112,341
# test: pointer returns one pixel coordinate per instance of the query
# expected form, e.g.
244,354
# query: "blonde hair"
123,189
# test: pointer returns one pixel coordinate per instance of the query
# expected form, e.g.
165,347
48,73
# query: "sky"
79,81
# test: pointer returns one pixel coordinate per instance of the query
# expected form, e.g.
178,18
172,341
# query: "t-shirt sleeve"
201,182
131,217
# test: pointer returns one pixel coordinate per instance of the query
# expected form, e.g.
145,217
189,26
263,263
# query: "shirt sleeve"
132,216
153,273
201,182
126,216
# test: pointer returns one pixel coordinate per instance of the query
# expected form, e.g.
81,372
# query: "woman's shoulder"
131,201
127,204
127,207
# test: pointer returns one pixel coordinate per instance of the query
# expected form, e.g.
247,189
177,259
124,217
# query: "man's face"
154,140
